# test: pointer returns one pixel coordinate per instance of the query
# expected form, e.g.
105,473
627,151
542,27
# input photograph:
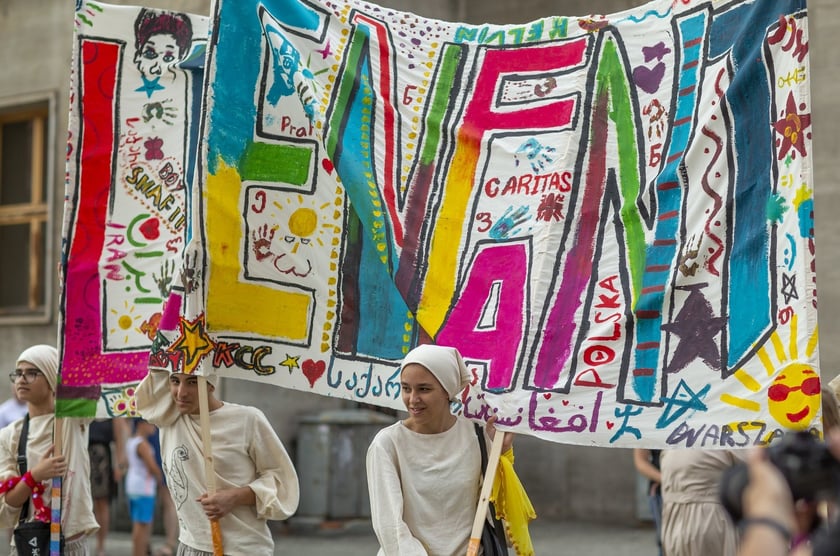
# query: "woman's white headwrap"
445,363
45,359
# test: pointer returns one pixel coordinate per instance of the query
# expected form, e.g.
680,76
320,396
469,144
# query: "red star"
792,129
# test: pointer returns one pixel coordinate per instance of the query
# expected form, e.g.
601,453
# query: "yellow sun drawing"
302,223
793,397
125,321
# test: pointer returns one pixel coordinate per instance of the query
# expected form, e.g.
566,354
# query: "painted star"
149,86
792,129
325,52
194,343
683,400
697,328
291,362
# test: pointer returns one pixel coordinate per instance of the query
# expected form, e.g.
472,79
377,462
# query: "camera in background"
810,470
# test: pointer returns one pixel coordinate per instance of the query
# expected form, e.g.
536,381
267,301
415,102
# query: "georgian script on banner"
135,101
610,217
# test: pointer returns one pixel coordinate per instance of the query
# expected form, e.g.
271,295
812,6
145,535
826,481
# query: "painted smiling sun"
793,398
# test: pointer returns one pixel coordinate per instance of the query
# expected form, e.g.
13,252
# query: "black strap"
21,461
498,529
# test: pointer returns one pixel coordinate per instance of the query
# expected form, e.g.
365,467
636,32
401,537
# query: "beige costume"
76,503
424,489
246,452
77,519
694,523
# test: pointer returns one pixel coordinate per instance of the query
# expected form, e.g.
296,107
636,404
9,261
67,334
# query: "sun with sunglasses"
794,396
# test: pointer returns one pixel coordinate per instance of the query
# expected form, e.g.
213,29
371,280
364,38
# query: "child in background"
141,483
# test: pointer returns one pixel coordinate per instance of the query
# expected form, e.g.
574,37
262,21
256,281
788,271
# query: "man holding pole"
226,466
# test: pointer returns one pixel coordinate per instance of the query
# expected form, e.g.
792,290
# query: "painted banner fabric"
135,101
611,217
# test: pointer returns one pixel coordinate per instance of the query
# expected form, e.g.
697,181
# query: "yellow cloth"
512,505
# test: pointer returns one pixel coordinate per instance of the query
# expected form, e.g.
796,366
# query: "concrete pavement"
551,538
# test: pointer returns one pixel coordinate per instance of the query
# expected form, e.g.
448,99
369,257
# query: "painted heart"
313,370
565,402
547,395
327,165
150,229
610,425
649,79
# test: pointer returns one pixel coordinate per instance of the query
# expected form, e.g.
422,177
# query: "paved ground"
550,539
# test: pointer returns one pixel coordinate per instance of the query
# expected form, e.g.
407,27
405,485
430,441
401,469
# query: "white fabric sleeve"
9,515
276,487
386,506
154,401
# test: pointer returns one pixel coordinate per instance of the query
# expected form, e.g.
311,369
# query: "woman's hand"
490,426
767,494
50,466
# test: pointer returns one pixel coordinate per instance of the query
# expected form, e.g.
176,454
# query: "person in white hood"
34,381
424,472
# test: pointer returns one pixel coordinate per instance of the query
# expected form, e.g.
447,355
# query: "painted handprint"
509,222
657,118
190,276
262,236
307,98
538,155
160,111
167,270
689,255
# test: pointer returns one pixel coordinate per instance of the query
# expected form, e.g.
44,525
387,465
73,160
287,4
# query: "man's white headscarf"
445,363
45,359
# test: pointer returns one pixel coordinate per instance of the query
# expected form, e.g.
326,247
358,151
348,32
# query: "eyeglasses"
779,392
29,375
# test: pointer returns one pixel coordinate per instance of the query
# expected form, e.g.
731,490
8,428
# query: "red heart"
610,425
565,402
547,395
150,229
327,165
313,370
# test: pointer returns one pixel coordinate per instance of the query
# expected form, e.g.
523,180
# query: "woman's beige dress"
694,523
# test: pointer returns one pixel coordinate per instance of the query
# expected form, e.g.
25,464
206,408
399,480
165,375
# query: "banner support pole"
209,467
484,498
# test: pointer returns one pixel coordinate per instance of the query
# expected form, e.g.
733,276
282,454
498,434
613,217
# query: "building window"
24,210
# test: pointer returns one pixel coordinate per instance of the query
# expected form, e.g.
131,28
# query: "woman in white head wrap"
34,380
424,472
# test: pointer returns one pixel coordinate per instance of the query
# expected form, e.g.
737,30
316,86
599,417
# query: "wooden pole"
55,492
484,499
209,467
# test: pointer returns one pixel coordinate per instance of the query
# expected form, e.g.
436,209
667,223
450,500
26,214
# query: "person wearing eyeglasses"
34,380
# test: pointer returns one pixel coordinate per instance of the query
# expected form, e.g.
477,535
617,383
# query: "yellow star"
291,362
194,343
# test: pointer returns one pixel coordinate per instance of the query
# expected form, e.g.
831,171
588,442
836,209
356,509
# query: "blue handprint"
537,154
509,222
